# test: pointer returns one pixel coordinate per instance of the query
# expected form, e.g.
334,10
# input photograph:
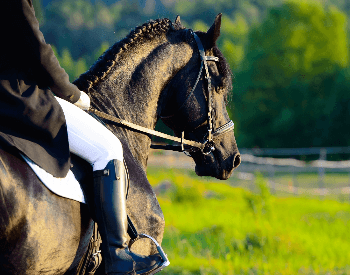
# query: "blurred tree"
39,14
73,24
104,46
72,68
199,25
78,13
233,39
67,63
286,94
93,57
79,67
299,38
80,26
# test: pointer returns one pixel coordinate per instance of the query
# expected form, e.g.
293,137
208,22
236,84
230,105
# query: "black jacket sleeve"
53,75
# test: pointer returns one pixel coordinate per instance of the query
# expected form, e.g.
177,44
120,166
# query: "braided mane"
100,69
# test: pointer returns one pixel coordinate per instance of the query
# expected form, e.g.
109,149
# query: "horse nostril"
237,161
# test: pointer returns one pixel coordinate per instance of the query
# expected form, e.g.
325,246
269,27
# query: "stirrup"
159,248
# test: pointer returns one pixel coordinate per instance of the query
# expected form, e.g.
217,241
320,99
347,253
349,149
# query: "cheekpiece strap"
204,59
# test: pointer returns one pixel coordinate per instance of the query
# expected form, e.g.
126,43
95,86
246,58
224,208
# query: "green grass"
214,228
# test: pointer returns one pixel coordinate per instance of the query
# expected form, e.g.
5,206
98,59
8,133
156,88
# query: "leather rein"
205,147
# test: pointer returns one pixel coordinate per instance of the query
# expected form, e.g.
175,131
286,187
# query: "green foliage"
104,46
79,67
185,7
298,39
233,40
72,68
199,25
39,14
197,7
67,62
80,14
289,95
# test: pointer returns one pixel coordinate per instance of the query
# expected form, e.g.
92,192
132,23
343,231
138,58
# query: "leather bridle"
207,146
209,137
227,126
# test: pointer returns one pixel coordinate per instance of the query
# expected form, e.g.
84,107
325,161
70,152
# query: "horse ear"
214,32
177,24
177,20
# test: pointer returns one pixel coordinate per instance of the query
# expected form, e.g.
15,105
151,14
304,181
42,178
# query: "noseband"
207,146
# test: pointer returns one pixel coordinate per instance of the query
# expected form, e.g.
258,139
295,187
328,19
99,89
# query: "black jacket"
30,117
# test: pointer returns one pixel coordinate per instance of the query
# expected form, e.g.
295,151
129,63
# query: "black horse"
146,76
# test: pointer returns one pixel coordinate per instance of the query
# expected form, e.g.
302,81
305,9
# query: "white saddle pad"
67,187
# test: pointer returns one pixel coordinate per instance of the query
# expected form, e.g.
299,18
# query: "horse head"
156,72
196,103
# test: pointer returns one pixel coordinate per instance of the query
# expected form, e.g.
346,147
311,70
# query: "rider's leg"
110,199
93,142
88,138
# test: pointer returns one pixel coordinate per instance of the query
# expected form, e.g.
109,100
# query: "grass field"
214,228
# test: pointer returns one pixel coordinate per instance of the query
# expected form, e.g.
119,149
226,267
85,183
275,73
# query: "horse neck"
134,85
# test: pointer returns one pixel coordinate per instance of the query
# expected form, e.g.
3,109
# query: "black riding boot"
111,217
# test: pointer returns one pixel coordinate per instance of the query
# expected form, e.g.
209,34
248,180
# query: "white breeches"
88,138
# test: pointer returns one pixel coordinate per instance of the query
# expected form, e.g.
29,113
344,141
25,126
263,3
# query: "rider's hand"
83,102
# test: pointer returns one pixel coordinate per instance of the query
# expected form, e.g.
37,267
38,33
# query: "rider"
37,123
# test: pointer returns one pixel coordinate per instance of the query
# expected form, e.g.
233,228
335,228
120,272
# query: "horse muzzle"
213,165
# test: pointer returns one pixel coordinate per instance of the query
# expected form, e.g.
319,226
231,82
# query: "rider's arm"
51,72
